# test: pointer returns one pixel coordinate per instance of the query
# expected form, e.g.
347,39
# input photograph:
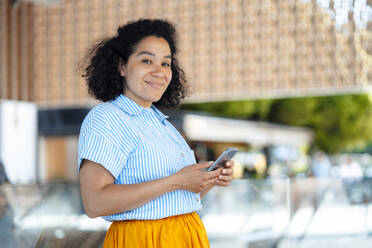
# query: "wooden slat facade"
16,51
229,49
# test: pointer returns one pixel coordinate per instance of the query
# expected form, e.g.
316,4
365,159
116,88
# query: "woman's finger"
225,178
212,181
227,172
215,173
229,163
223,183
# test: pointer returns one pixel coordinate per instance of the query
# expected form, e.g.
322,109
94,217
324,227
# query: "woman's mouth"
156,85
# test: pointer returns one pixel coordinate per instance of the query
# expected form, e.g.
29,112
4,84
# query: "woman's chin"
156,98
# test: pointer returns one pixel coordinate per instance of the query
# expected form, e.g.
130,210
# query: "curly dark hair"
103,60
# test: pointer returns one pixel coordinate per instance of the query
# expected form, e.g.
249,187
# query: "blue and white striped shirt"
137,145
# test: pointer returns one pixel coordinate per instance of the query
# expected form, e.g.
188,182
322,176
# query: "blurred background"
288,82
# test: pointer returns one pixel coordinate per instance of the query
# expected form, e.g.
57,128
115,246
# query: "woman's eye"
165,64
147,61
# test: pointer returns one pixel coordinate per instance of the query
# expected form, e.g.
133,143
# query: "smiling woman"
106,61
147,73
135,169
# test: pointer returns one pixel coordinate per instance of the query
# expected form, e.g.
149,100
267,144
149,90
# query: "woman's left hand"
226,176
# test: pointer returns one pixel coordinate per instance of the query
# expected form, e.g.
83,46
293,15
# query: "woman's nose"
158,71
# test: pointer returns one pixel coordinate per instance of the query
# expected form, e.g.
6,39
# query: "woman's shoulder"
106,113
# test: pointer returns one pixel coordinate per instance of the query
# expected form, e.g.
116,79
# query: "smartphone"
227,155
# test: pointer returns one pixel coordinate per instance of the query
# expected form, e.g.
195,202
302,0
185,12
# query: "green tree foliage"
339,122
253,110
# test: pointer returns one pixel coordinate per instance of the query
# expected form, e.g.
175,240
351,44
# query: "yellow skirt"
175,232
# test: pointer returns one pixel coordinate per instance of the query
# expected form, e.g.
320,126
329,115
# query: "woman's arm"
102,197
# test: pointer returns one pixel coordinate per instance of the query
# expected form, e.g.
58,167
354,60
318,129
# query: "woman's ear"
122,70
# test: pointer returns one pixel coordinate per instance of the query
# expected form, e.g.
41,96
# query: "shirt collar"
132,108
162,117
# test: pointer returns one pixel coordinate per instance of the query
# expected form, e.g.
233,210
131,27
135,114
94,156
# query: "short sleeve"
99,150
99,142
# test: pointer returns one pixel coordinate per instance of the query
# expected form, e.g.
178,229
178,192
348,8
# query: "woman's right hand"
193,177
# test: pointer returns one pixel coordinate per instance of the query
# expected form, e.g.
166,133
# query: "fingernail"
223,171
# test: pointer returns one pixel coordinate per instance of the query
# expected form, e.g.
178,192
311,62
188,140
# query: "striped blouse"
137,145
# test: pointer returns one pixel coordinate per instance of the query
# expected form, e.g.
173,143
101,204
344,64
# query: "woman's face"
148,71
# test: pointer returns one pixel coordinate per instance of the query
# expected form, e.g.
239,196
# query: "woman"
135,168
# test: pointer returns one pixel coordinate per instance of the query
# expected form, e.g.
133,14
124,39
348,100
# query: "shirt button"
183,155
197,198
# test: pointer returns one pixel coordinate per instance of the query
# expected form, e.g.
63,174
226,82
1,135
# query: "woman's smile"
154,84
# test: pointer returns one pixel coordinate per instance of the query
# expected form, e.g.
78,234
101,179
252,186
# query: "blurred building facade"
229,50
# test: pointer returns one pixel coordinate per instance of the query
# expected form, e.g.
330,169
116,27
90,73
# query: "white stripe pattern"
137,145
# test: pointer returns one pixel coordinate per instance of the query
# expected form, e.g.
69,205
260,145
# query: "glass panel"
278,213
330,213
247,212
47,216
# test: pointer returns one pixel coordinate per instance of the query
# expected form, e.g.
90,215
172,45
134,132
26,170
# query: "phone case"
227,155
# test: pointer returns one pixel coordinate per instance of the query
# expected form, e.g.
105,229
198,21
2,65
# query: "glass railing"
49,215
247,212
330,213
279,213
